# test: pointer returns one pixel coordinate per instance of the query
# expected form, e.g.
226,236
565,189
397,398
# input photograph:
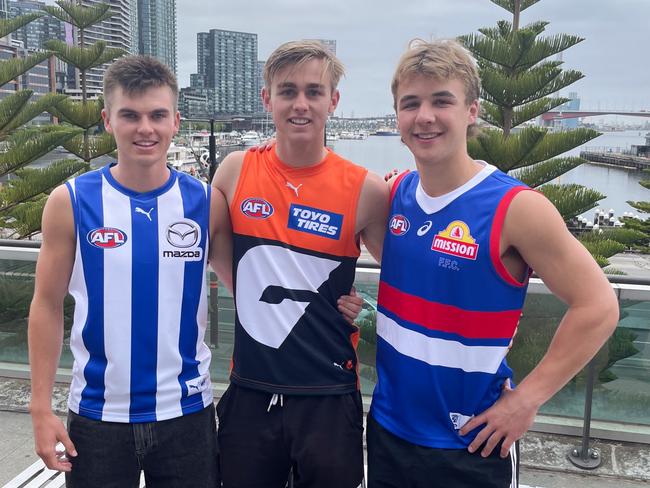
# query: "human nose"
144,127
300,102
425,115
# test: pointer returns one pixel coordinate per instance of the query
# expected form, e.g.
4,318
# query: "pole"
213,150
586,457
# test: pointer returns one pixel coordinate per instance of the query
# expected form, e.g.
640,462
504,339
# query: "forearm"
45,338
580,335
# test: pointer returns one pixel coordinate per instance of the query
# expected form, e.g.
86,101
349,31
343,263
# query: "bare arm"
573,276
45,330
224,185
221,238
372,213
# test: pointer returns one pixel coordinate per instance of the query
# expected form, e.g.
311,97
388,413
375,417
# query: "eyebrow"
287,84
128,111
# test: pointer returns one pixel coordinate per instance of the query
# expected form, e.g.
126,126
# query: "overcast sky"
371,35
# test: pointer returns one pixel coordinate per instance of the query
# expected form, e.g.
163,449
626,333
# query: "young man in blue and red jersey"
461,240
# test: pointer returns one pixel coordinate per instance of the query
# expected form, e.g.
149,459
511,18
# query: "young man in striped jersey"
440,415
130,243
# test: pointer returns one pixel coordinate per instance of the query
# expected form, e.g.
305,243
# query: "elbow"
609,311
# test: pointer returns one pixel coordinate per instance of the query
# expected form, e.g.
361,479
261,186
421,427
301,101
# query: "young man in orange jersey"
440,416
297,213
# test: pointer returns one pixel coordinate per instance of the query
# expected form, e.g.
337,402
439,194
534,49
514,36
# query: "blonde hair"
443,59
295,53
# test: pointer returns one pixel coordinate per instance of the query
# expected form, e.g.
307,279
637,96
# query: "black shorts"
320,437
396,463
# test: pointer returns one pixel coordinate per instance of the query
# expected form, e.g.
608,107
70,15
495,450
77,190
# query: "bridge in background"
571,114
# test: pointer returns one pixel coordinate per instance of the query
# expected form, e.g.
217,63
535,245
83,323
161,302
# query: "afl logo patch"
399,225
106,237
256,208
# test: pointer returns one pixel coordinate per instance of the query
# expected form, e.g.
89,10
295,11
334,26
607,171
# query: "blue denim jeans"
175,453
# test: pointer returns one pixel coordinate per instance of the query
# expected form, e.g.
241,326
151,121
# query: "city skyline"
611,57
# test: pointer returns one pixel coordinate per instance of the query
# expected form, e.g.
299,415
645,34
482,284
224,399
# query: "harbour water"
381,154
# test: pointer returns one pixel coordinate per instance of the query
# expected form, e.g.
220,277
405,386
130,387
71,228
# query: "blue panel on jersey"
144,310
195,207
315,221
457,277
414,400
89,204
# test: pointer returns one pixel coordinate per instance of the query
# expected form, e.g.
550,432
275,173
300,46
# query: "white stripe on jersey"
117,307
77,288
440,352
170,299
203,353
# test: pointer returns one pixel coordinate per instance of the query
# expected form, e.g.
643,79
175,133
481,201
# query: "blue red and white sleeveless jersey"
294,254
139,287
447,309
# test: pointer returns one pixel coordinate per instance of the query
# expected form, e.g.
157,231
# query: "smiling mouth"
428,136
145,144
299,121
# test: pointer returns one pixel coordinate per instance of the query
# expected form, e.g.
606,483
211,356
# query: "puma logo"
340,366
294,188
148,214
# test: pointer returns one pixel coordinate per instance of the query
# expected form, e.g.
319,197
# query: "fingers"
507,444
349,309
390,174
491,443
67,443
472,424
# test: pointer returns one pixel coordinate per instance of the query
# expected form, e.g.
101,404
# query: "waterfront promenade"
543,456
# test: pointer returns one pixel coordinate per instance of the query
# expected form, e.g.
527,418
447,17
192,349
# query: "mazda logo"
182,234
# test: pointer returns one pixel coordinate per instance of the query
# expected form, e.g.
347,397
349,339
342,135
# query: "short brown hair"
136,74
295,53
443,59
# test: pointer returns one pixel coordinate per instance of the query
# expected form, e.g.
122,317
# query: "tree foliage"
521,81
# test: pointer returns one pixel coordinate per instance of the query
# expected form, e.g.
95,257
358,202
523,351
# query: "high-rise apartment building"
4,9
259,106
119,31
33,35
227,68
157,30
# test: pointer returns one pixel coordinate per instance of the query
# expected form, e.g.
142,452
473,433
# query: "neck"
140,178
440,178
300,155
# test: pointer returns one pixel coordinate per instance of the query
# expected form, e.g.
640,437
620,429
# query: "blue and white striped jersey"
140,299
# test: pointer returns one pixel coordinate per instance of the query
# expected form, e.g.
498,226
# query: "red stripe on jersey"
447,318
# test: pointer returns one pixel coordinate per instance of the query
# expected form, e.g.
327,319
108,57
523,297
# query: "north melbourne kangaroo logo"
294,188
148,214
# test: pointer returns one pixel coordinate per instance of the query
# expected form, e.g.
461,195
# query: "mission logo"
456,240
256,208
106,237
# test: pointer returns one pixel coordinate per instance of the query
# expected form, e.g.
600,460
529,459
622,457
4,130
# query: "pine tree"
641,225
86,113
519,83
23,196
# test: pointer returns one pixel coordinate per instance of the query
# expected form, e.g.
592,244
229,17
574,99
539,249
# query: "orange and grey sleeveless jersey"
295,252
